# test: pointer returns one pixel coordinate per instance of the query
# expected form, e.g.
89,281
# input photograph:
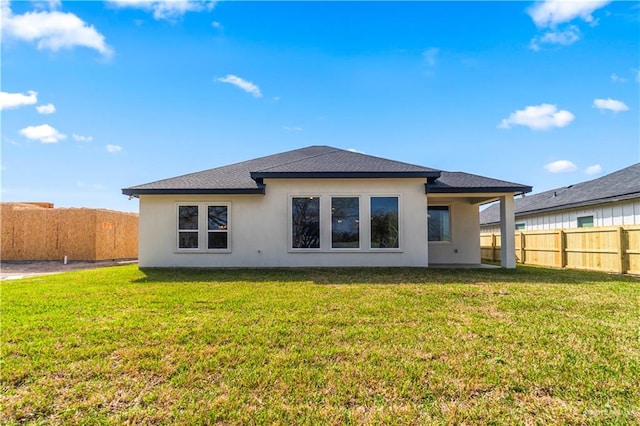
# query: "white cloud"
81,138
550,13
217,25
430,56
95,186
593,170
617,79
113,149
169,10
245,85
43,133
563,38
561,166
52,30
46,109
15,100
539,117
293,129
637,72
610,104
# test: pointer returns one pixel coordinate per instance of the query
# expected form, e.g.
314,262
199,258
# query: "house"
318,206
611,200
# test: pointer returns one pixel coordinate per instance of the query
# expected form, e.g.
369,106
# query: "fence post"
523,250
493,247
621,250
561,257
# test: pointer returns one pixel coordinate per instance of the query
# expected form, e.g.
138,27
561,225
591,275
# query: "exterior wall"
464,247
260,235
624,213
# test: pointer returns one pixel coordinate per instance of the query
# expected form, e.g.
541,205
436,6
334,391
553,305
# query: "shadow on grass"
523,274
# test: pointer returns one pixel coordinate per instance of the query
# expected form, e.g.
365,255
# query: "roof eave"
429,189
132,192
343,175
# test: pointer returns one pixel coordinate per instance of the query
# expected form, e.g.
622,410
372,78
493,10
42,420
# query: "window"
305,222
345,222
384,222
217,228
439,223
585,222
188,227
520,226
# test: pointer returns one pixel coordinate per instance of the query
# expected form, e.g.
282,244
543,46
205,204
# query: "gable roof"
617,186
311,162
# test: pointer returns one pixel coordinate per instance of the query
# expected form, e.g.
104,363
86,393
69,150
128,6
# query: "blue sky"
97,96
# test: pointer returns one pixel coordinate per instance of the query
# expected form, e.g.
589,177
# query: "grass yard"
321,346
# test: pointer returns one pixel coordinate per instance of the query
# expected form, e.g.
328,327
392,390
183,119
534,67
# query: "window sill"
196,251
345,250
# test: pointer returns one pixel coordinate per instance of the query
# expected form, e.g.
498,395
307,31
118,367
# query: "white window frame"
400,227
593,220
290,224
207,230
203,227
178,230
330,224
450,240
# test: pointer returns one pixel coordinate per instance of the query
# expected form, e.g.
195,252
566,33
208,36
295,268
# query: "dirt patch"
24,269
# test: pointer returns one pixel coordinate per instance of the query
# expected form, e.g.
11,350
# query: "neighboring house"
318,206
610,200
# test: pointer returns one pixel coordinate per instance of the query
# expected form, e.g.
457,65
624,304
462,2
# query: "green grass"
321,346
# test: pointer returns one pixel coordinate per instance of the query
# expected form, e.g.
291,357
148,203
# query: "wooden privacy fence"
40,232
607,249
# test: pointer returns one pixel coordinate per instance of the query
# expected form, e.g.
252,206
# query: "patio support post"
507,232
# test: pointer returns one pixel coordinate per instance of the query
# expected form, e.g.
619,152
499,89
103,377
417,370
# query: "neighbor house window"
520,226
188,227
305,222
585,222
384,222
217,227
345,222
439,223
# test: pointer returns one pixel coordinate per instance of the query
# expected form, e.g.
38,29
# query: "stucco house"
611,200
319,206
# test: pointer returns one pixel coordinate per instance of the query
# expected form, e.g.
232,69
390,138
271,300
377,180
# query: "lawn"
321,346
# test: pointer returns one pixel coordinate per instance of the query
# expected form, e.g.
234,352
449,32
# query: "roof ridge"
303,159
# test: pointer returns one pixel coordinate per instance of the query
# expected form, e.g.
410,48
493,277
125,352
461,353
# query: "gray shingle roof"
314,162
617,186
466,182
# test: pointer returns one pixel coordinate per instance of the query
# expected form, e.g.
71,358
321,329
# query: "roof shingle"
617,186
315,162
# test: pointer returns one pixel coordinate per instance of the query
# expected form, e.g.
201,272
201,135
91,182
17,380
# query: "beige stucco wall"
260,235
464,247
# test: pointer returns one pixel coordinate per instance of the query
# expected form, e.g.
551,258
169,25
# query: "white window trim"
290,247
203,229
360,248
400,224
451,237
593,220
207,231
178,230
